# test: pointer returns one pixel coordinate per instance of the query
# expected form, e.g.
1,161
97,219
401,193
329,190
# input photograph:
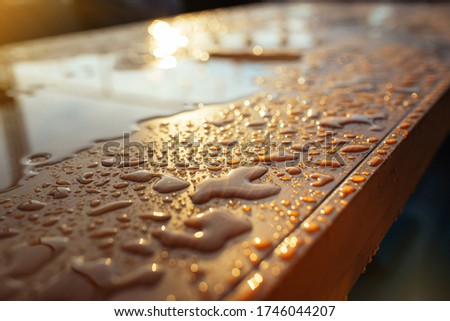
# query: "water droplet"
277,157
301,147
238,183
37,159
256,123
328,163
109,162
293,170
262,243
327,210
217,227
338,141
8,232
60,192
321,179
169,184
156,216
287,249
391,141
110,207
288,131
310,227
120,185
375,161
9,287
140,246
104,232
221,123
228,142
62,182
308,199
355,148
140,176
346,190
86,178
358,179
28,258
102,273
31,205
340,122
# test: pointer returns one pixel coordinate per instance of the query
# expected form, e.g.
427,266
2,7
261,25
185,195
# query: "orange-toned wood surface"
260,152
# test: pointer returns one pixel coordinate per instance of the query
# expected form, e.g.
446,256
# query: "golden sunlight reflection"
165,42
255,281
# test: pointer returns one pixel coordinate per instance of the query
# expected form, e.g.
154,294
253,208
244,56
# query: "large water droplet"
238,183
215,228
110,207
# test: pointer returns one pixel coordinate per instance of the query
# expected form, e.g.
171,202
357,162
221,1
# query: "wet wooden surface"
283,142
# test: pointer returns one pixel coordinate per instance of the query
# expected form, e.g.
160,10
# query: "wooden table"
280,144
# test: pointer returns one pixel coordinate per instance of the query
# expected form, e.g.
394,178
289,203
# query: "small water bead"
120,185
358,179
86,178
261,243
310,227
277,157
38,159
308,199
327,210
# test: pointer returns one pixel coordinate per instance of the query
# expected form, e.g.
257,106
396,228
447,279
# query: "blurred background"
413,262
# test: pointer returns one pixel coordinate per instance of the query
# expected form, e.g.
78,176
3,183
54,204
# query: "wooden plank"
283,194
